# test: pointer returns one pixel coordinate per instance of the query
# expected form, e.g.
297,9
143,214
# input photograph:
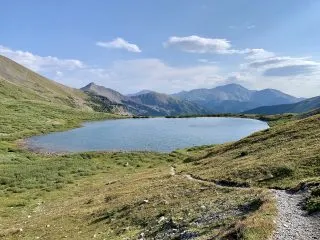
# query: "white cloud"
120,43
40,64
296,76
251,27
205,61
196,44
285,66
258,53
59,74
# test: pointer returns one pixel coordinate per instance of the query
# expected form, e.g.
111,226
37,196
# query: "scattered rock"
163,218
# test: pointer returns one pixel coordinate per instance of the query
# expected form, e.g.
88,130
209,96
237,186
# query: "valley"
190,193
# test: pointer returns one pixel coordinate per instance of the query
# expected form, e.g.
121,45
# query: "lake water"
153,134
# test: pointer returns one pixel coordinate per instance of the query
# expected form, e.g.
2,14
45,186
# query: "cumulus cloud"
257,53
120,43
293,75
266,62
285,66
196,44
71,72
292,70
39,63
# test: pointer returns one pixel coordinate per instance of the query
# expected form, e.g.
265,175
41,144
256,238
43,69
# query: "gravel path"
293,223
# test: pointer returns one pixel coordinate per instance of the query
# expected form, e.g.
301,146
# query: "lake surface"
153,134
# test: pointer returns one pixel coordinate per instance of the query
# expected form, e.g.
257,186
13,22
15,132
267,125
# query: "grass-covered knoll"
284,156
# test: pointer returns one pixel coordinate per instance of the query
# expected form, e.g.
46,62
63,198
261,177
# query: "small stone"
48,225
162,219
29,216
141,236
146,201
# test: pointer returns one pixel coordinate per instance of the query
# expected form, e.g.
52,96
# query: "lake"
152,134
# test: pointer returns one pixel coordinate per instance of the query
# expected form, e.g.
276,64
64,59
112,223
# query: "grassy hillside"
23,113
285,156
35,87
32,104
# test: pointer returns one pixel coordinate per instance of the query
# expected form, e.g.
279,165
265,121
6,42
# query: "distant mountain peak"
144,91
231,86
92,84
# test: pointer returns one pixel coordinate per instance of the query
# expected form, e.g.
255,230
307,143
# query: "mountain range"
18,82
144,103
234,98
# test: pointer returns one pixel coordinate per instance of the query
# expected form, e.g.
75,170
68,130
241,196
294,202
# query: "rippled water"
153,134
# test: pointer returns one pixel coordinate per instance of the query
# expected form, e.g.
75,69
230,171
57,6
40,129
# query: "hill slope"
234,98
32,104
281,156
35,87
300,107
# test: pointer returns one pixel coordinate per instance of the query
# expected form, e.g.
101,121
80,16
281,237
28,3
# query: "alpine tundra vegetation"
205,64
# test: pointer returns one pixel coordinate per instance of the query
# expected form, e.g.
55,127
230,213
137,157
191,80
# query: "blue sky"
167,46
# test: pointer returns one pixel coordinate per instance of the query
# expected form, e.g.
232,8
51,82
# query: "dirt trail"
293,223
